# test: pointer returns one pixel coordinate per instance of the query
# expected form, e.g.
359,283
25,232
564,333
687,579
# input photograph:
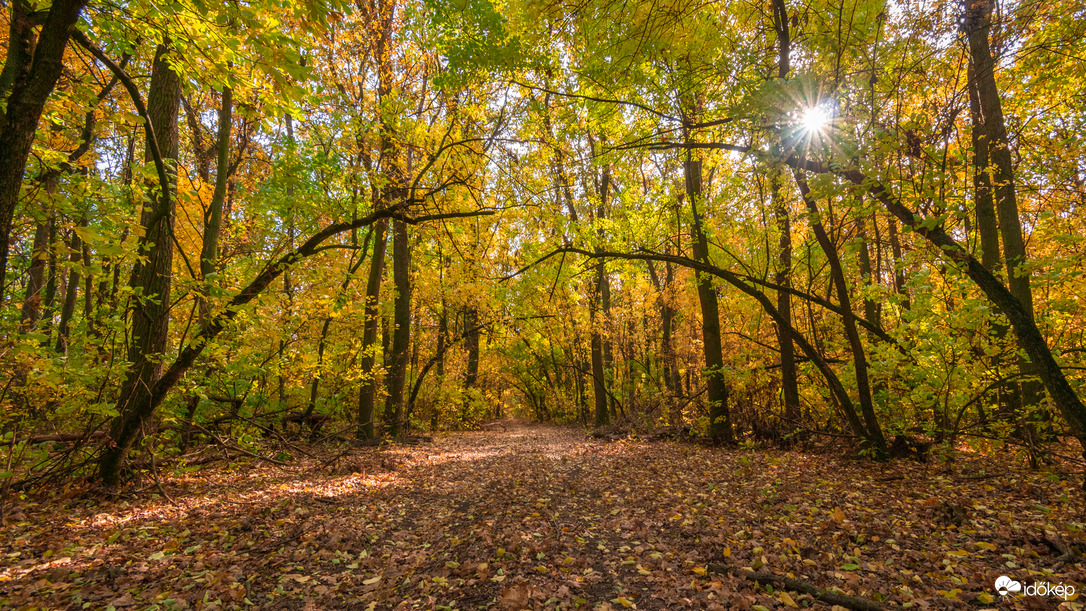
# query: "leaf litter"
539,517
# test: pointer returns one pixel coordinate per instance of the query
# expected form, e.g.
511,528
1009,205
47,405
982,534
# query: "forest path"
539,517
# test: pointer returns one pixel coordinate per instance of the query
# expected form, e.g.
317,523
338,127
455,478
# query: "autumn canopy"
759,223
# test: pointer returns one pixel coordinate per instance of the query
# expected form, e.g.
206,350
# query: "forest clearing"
541,517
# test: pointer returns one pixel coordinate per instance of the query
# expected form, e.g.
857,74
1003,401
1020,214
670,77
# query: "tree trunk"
582,391
872,311
53,276
471,377
848,319
671,354
442,331
999,168
88,289
416,321
599,387
401,335
32,301
315,383
367,394
381,34
151,278
386,340
30,73
667,350
987,225
783,277
601,350
899,263
604,287
22,38
720,423
288,289
986,221
209,253
67,309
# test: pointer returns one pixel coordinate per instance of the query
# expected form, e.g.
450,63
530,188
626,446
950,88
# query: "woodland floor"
541,517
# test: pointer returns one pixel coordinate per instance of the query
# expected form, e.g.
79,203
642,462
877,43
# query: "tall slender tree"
153,274
720,423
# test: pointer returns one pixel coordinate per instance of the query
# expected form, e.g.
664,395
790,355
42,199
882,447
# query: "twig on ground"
331,461
979,478
850,602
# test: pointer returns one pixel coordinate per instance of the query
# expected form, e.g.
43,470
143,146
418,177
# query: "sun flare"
816,118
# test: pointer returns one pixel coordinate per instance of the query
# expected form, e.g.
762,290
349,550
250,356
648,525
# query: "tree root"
849,602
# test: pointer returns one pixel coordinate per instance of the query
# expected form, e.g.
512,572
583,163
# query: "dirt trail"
541,517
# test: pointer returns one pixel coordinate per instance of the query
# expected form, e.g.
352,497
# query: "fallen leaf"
125,600
514,597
